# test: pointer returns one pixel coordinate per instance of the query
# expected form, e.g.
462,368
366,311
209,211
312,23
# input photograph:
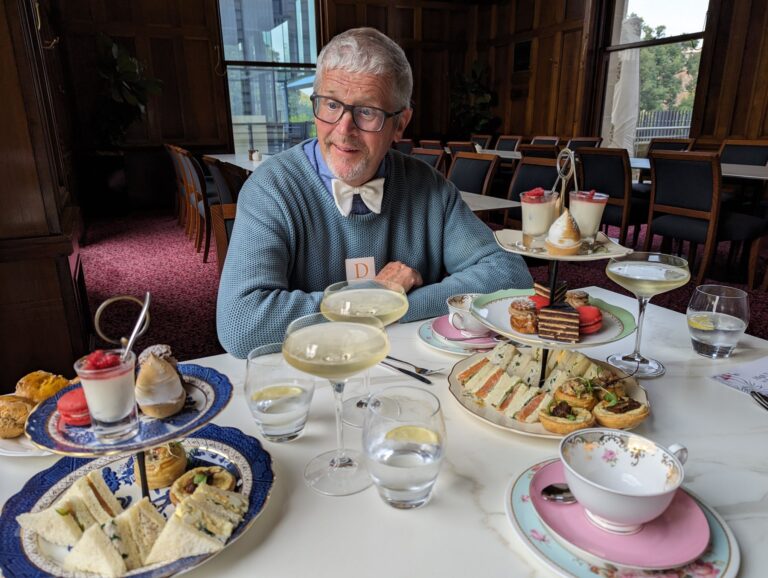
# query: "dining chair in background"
433,157
685,204
431,144
203,200
229,180
181,202
460,146
473,172
483,140
531,172
642,188
744,152
404,145
606,170
579,142
508,142
545,140
546,151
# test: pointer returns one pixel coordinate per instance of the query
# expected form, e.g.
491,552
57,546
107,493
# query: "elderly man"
346,205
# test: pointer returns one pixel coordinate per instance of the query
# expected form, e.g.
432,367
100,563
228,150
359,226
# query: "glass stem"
641,303
338,391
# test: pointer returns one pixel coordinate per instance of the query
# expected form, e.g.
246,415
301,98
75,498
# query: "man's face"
354,155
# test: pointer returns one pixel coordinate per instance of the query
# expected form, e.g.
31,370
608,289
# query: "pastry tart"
624,413
165,464
210,475
561,418
578,392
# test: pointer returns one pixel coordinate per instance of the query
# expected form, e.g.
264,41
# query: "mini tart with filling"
624,413
560,418
210,475
577,392
165,464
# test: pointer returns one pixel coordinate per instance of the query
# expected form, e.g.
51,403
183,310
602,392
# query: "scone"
523,316
159,392
209,475
40,385
13,415
625,413
561,418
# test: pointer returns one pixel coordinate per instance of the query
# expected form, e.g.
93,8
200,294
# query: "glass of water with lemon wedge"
404,444
717,316
278,394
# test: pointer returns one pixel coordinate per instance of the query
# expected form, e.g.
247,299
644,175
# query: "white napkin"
748,377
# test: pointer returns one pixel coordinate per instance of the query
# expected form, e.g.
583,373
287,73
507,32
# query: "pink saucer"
676,538
442,328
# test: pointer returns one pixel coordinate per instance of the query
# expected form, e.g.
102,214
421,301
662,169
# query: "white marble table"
241,160
752,172
486,203
506,155
463,531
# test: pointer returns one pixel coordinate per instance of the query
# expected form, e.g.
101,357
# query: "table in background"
486,203
505,155
241,160
464,530
753,172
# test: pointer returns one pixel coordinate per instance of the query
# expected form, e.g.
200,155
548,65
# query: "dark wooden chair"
579,142
181,202
229,180
473,172
531,172
198,190
606,170
744,152
484,140
685,204
433,157
545,151
404,145
545,140
642,188
431,144
456,147
508,142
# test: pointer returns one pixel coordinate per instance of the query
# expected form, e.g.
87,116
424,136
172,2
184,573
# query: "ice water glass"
717,318
111,397
278,395
404,444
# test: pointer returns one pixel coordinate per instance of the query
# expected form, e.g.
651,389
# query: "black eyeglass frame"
351,108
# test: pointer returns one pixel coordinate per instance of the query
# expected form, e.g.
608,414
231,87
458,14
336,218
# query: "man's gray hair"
368,51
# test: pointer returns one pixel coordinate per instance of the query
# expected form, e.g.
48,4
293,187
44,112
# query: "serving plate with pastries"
84,517
505,388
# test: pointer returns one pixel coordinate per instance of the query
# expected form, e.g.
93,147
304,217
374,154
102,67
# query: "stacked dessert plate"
441,335
689,539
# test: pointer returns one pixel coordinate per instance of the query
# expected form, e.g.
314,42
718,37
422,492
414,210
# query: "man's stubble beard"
345,171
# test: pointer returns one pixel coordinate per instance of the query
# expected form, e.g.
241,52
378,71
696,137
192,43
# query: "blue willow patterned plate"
23,554
208,392
721,558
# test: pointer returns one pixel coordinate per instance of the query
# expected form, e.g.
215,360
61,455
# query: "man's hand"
403,275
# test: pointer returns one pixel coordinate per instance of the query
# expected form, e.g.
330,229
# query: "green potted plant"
472,101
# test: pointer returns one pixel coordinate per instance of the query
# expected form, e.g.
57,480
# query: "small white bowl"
623,480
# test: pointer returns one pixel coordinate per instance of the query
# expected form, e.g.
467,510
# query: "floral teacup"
623,480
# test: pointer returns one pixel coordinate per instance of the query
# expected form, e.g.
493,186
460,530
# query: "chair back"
744,152
222,223
404,145
532,172
461,147
235,177
538,150
484,140
670,144
689,181
546,140
433,157
508,142
579,142
431,144
181,185
222,186
473,172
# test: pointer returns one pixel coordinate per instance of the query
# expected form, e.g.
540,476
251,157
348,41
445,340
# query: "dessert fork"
416,368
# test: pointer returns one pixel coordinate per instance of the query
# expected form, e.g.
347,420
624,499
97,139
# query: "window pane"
269,31
271,110
650,93
663,18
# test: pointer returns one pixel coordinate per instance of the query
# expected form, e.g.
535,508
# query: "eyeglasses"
366,118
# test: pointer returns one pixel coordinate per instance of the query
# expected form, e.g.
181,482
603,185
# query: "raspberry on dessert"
101,359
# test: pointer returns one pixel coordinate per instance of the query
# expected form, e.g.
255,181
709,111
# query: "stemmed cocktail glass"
367,297
645,275
336,350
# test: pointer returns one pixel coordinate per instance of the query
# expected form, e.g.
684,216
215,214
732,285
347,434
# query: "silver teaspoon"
558,493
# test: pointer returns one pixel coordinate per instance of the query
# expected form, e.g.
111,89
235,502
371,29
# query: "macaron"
73,408
539,300
590,319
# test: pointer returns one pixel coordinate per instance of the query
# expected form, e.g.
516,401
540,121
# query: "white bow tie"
371,193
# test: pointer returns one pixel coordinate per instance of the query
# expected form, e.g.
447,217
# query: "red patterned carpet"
134,254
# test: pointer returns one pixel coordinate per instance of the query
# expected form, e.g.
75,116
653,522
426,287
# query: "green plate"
493,311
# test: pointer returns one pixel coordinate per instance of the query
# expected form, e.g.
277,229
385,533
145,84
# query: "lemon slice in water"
413,434
276,392
702,322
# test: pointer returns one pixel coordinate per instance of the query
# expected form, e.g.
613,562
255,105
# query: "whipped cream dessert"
564,237
108,384
159,392
538,212
587,208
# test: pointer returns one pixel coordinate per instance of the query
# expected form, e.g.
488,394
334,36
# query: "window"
653,66
270,50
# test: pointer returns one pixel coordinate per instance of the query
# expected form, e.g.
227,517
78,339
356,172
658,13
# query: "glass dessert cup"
383,300
587,208
336,350
539,208
645,275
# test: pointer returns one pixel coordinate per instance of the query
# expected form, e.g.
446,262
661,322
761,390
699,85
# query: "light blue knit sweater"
290,242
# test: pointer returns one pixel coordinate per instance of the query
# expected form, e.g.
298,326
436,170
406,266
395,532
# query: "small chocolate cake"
543,290
559,322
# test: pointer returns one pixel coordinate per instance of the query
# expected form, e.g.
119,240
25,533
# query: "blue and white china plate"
24,554
721,558
20,447
492,310
427,335
208,392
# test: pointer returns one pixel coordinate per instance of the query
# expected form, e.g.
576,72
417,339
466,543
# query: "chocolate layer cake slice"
559,322
560,290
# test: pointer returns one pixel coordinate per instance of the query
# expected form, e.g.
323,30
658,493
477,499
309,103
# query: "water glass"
278,395
404,444
717,318
111,397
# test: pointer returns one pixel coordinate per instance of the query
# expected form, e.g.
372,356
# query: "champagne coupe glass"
645,275
349,299
336,350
